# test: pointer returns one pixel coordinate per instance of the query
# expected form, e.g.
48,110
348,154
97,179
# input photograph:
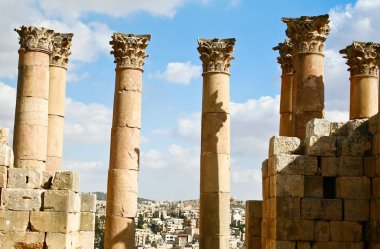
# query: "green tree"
99,232
140,222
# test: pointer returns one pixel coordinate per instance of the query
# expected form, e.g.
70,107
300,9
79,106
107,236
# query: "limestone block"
4,136
22,240
357,127
376,187
253,242
86,240
6,156
56,222
373,231
122,193
338,129
215,210
21,199
322,230
33,80
320,146
3,176
330,165
276,244
120,232
127,110
14,221
339,145
350,166
32,111
30,164
24,178
370,166
216,133
353,188
253,227
285,208
372,124
29,142
346,231
294,229
284,145
303,245
287,185
254,209
313,187
357,146
356,210
59,240
55,136
301,120
125,148
265,168
66,181
57,91
87,221
215,173
321,209
47,179
265,188
334,245
318,127
216,93
61,201
129,80
88,202
286,164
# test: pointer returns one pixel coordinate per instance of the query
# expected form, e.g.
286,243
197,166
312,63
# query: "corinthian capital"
361,58
308,33
216,54
129,50
61,49
285,59
35,39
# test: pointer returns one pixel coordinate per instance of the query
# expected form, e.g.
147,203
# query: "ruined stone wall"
323,192
40,209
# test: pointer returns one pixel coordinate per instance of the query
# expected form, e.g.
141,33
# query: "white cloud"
180,72
7,106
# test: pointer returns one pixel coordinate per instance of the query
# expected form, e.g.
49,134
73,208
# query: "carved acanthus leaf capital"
35,39
308,33
61,49
216,54
129,50
285,59
361,58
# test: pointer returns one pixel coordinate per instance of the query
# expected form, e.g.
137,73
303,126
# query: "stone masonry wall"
323,192
42,210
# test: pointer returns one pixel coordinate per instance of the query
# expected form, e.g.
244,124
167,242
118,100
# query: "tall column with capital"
362,61
129,52
57,93
31,117
216,55
286,111
307,34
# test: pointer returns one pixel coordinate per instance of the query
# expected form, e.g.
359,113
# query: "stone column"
307,34
214,225
31,117
361,59
129,52
286,111
57,92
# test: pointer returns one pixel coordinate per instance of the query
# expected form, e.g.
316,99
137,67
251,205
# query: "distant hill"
100,196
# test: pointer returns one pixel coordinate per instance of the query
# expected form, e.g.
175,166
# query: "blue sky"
172,83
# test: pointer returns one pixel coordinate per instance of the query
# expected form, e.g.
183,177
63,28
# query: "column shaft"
31,117
215,144
125,142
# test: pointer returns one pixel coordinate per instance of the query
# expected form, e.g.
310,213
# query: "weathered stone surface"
346,231
6,156
294,229
3,176
321,209
338,129
87,221
88,202
61,201
59,240
356,210
284,145
320,146
24,178
376,187
265,168
334,245
357,127
357,146
318,127
313,187
330,166
21,199
322,230
22,240
350,166
56,222
286,164
13,221
370,166
66,181
353,188
4,136
86,240
284,208
254,209
47,179
287,186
